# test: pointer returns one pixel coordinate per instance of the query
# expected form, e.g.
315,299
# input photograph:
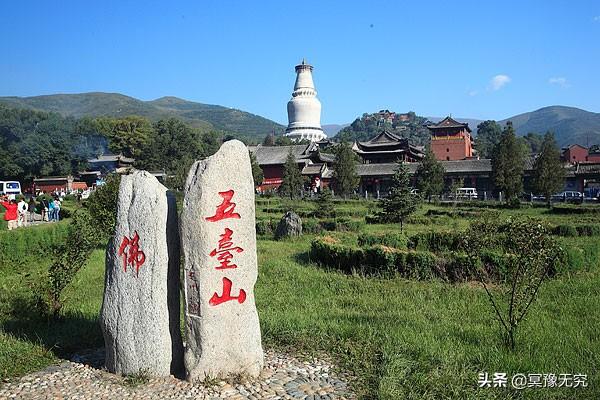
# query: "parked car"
466,193
569,196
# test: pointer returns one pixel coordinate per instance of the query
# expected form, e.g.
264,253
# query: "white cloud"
560,81
473,93
499,81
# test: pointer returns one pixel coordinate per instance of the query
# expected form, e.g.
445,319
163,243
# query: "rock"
140,311
290,225
219,245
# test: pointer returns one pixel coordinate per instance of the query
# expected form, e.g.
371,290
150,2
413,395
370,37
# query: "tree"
292,177
269,140
430,176
257,172
507,164
324,203
127,135
548,172
534,142
344,174
399,203
488,136
529,253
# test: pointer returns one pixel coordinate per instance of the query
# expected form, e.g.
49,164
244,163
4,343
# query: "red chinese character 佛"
215,300
225,250
225,209
133,255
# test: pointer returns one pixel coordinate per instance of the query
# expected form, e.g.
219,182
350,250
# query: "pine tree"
257,172
292,177
400,203
324,203
548,172
344,174
507,164
430,176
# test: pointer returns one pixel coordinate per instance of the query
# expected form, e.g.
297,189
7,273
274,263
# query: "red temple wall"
576,154
451,149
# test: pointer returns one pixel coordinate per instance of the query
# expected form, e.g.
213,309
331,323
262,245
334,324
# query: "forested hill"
408,125
570,125
207,116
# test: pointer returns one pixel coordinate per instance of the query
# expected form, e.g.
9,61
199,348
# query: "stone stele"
140,311
219,245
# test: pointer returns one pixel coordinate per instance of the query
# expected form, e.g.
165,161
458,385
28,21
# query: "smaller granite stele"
219,245
140,310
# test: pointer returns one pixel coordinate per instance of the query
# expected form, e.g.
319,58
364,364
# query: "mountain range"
569,124
96,104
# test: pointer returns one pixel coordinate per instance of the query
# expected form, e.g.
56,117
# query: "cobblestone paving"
284,377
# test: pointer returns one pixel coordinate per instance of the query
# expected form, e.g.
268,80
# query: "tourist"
50,210
44,208
22,212
31,207
10,216
56,210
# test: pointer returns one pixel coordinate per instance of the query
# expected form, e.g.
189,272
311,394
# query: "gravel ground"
284,377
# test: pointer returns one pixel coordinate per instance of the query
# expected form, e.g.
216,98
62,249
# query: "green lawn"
401,338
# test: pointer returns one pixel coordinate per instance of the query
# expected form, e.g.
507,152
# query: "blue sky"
478,59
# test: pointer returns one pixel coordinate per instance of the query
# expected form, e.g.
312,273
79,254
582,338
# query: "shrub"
311,226
328,251
588,230
574,210
265,227
421,265
530,254
373,219
71,256
396,240
436,241
102,205
565,230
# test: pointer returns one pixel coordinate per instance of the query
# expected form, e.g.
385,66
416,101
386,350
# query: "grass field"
401,338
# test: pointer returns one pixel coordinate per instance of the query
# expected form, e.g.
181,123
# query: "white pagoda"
304,109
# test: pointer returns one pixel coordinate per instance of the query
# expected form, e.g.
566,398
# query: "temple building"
304,109
387,147
451,140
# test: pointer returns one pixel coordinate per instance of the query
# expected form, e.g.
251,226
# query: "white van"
10,188
466,193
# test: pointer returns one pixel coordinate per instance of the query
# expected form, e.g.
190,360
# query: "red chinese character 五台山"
216,299
134,255
225,209
225,249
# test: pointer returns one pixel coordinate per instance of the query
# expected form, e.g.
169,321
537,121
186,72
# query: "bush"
328,251
102,205
311,226
576,230
588,230
574,210
421,265
69,257
266,227
436,241
395,240
565,230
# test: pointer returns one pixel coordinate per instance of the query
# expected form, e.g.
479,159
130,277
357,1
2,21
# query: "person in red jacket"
10,216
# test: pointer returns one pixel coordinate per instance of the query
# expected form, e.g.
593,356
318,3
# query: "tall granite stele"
140,311
219,245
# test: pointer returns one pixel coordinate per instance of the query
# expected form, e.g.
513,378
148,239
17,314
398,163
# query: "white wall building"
304,109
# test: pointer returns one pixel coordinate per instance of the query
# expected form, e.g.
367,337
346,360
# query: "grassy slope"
403,339
205,116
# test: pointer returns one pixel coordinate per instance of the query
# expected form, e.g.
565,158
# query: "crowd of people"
20,213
